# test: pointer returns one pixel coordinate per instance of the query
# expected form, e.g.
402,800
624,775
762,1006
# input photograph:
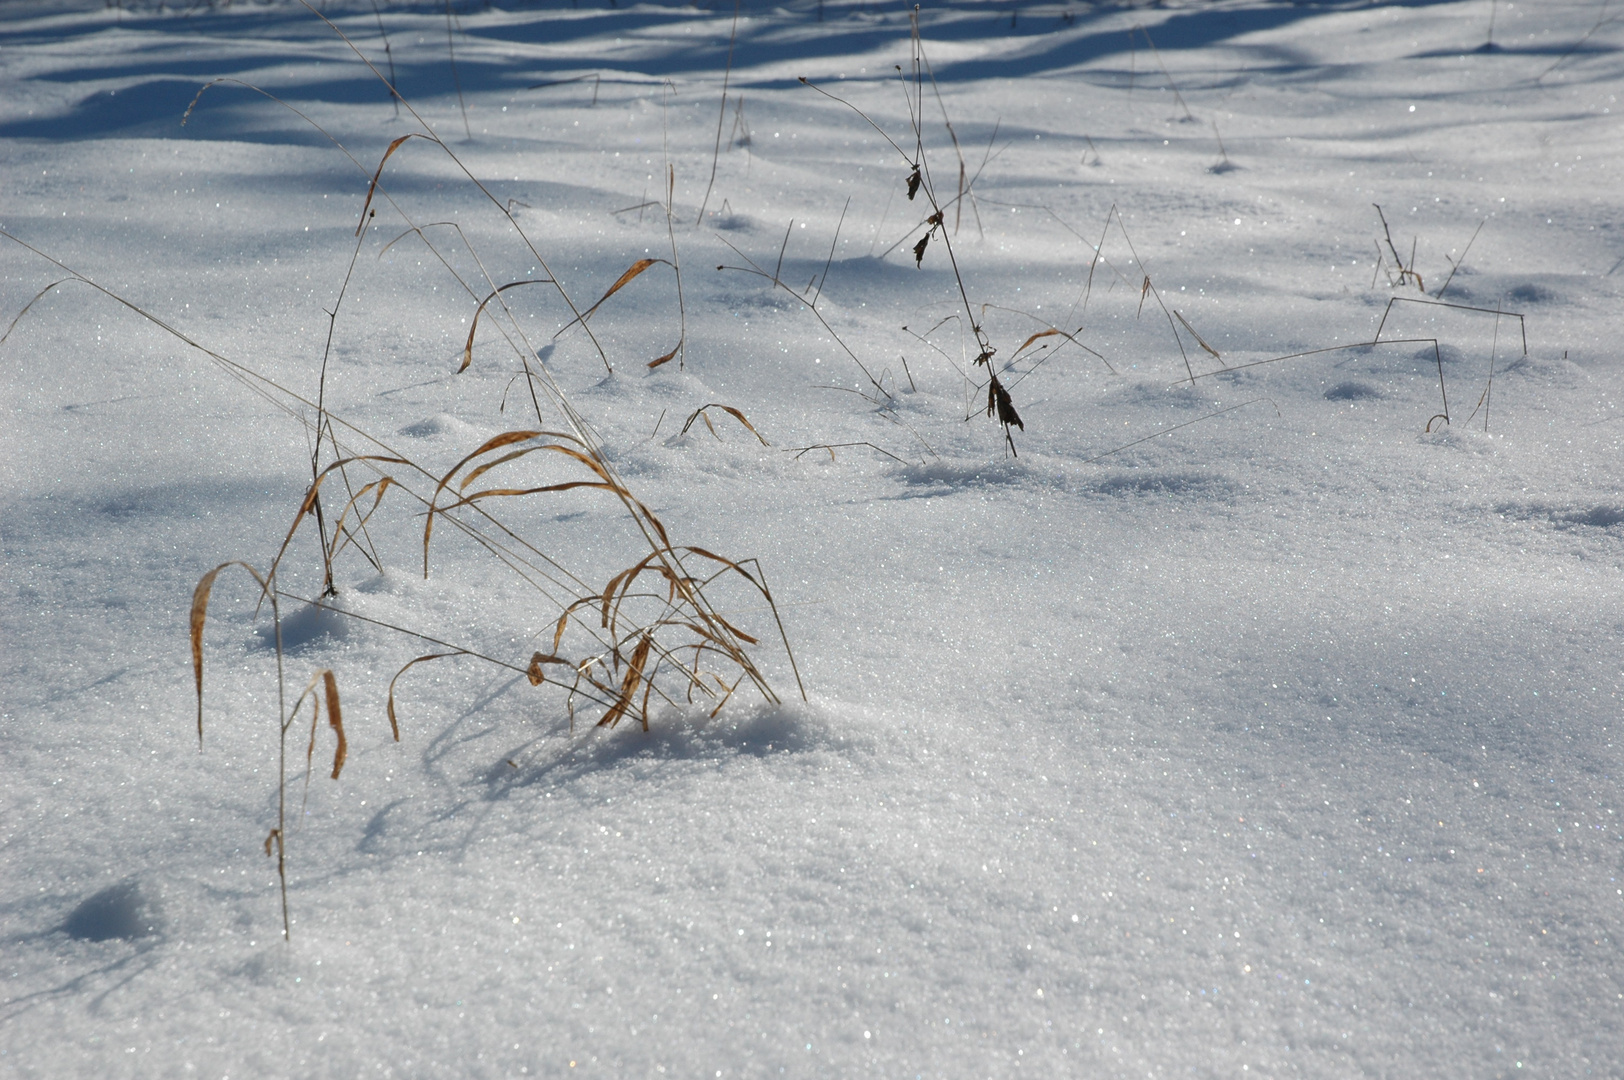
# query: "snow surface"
1279,744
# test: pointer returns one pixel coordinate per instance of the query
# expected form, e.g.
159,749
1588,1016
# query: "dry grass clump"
650,635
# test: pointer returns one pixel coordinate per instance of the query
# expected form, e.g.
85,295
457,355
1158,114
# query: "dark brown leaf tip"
534,671
998,402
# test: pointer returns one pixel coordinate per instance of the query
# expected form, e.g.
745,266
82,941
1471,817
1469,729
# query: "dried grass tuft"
653,634
701,414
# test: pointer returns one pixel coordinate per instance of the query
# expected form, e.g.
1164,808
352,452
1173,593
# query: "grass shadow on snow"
499,55
691,735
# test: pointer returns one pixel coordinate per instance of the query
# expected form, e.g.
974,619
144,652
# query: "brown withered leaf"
335,720
666,359
998,402
200,610
507,438
393,726
631,272
919,250
37,298
485,467
373,187
468,347
699,414
1051,332
534,672
628,687
914,179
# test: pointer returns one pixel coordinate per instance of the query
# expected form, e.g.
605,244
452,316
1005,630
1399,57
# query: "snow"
1275,744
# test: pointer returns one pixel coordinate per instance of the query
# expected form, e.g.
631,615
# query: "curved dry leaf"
632,271
314,695
373,187
475,474
586,459
711,555
735,631
740,417
1198,338
607,597
507,438
563,620
700,414
509,492
1051,332
737,568
726,696
665,539
667,358
620,586
393,726
468,348
534,672
200,607
590,461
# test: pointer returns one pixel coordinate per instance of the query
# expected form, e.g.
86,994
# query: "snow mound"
1353,390
440,424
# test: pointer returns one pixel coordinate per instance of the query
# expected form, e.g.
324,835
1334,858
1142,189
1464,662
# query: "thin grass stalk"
1170,83
676,266
321,414
716,153
389,56
451,54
